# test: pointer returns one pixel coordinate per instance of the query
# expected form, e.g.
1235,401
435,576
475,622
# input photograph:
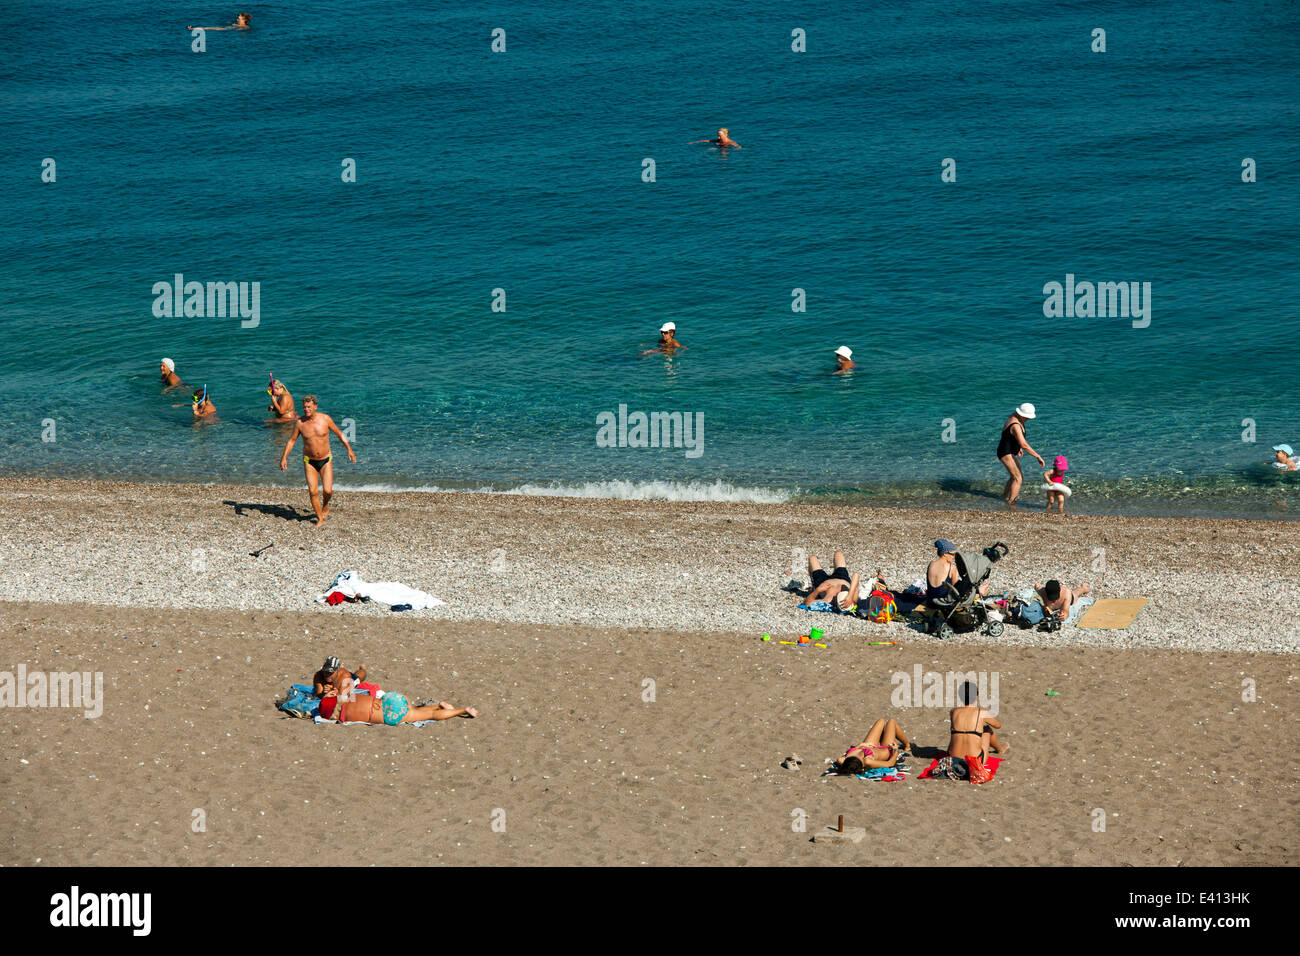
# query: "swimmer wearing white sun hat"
844,359
667,340
168,369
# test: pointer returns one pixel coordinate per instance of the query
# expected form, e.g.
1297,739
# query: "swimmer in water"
667,340
723,140
844,360
281,401
242,22
169,376
1283,458
202,406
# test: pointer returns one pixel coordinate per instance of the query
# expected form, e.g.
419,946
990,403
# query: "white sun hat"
668,327
844,351
1026,410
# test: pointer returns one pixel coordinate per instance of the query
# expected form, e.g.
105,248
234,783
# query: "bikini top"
977,733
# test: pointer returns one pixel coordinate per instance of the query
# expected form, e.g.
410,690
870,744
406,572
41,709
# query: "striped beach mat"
1113,613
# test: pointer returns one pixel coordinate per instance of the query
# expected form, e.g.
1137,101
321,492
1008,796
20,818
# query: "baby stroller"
962,608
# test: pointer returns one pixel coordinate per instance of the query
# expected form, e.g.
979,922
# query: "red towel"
991,765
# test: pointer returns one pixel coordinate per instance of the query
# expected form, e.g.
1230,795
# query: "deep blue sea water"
523,171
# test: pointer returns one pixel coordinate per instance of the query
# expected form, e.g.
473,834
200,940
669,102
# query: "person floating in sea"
315,427
202,405
667,340
281,401
169,376
1011,446
722,141
844,360
1285,458
242,22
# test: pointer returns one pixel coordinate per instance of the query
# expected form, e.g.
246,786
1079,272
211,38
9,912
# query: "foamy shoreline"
681,566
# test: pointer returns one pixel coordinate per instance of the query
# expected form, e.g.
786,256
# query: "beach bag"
1026,614
881,607
976,772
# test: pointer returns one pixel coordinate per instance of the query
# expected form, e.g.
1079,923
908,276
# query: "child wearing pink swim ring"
1056,477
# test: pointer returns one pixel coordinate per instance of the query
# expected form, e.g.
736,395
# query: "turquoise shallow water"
522,171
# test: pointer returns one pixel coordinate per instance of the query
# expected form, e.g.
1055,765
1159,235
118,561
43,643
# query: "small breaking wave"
620,490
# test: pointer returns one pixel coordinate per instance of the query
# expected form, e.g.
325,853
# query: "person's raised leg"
1082,590
313,489
813,564
894,734
991,740
875,733
839,560
327,479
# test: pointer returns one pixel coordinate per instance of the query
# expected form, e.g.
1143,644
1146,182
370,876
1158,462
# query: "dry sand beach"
559,611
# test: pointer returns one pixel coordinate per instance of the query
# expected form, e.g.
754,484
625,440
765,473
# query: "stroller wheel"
945,631
995,629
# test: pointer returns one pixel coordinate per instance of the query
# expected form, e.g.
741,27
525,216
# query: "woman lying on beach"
972,727
880,749
390,708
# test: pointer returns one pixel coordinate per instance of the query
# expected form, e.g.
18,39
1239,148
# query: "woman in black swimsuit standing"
1011,446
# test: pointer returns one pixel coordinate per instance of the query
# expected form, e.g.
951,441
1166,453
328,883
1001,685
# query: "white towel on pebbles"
350,584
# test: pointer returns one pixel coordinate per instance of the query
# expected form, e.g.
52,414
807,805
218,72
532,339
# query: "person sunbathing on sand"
384,707
169,376
838,590
880,749
972,727
1059,599
242,22
333,674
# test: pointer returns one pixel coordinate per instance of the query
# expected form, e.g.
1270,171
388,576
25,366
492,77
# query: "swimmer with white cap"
844,360
667,340
169,376
1285,458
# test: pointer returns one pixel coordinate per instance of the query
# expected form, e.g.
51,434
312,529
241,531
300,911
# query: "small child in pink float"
1054,484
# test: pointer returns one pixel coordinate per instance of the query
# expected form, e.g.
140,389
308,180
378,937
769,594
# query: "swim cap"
171,366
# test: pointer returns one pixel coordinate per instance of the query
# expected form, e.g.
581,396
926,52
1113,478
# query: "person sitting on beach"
1058,600
880,749
972,727
941,573
281,402
315,428
333,674
1011,446
723,140
169,376
667,340
386,707
837,591
1285,458
202,405
242,22
844,360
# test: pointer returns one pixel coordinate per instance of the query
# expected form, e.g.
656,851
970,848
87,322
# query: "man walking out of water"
315,427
